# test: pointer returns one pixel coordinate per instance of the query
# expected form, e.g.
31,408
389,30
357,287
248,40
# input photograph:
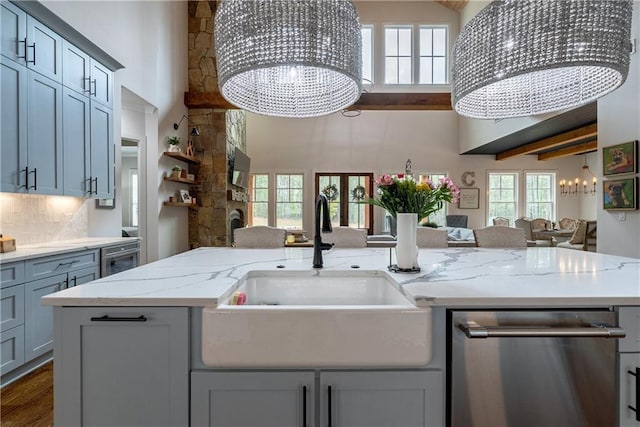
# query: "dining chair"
526,225
499,220
459,221
427,237
496,236
567,224
346,237
259,236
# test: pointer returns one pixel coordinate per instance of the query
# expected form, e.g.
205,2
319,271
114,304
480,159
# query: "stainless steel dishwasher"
532,368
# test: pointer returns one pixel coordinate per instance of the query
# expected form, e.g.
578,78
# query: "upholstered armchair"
496,236
427,237
346,237
501,221
567,224
259,236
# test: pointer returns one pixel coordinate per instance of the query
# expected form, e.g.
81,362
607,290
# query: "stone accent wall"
209,224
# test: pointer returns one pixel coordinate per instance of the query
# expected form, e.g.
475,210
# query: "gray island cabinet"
128,347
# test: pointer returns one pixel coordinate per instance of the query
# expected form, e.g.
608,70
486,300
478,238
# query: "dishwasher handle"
473,330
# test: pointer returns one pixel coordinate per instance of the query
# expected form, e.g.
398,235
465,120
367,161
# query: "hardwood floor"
29,400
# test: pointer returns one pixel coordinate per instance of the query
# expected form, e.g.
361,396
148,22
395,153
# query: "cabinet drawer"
11,307
47,266
11,274
629,320
12,349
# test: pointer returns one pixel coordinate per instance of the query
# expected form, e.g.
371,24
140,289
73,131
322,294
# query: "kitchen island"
127,348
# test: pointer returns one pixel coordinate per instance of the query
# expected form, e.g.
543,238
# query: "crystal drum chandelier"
526,57
289,58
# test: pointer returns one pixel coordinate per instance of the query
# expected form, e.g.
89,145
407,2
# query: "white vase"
406,249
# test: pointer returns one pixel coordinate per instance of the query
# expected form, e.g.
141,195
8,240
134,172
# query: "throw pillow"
578,235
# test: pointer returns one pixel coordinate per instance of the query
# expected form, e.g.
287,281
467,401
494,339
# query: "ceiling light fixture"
289,58
585,177
519,58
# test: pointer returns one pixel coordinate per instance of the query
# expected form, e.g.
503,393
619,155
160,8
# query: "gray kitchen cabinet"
76,71
44,50
13,116
122,366
11,273
102,151
77,144
11,307
629,368
11,349
38,322
11,316
243,399
384,399
13,32
101,89
347,398
44,135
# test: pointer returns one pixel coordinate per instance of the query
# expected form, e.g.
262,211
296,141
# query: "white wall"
618,122
381,142
150,39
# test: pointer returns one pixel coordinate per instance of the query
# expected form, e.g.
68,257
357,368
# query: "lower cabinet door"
382,399
629,364
12,349
252,399
121,366
83,276
38,319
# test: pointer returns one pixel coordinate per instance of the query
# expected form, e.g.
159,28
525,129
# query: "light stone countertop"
24,252
453,277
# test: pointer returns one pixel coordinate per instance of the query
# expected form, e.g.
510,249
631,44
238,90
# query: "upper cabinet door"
102,151
13,32
13,132
101,82
44,135
75,69
44,50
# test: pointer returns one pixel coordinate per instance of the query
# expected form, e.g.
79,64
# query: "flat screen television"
241,164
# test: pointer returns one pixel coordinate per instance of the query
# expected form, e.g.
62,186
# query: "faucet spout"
318,245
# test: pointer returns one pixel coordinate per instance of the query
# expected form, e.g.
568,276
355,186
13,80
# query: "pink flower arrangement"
402,194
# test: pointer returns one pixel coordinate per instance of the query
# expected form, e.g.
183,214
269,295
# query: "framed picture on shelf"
620,194
185,197
469,198
619,159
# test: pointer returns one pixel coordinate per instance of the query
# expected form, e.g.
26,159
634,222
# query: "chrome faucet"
318,245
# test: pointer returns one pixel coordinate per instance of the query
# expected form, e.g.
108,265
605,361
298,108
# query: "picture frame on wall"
620,158
469,198
620,194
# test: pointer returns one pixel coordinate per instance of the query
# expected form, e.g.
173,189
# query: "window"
345,209
433,55
289,201
503,196
398,55
540,195
259,200
367,53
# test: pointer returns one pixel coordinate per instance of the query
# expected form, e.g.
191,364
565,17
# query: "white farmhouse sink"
317,319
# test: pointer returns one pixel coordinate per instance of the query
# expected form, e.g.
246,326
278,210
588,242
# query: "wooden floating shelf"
182,180
181,156
181,205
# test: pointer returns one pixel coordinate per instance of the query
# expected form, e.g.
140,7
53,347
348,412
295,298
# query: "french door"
347,194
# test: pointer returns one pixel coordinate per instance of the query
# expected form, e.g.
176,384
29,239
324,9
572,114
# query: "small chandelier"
586,178
525,57
289,58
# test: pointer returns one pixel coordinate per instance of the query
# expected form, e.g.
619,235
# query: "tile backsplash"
32,219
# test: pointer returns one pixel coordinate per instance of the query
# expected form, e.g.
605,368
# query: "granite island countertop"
460,277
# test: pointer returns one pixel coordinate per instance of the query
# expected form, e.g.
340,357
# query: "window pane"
261,195
261,181
439,42
540,195
367,53
404,72
426,76
426,42
404,41
391,70
502,196
283,181
391,42
296,181
289,201
439,71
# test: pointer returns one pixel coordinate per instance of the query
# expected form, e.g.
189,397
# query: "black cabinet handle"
89,186
107,318
84,84
329,404
96,180
35,180
304,406
95,87
637,408
66,283
18,48
26,178
75,281
33,61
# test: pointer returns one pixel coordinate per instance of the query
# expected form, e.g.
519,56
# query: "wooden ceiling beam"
456,5
584,132
368,101
581,148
